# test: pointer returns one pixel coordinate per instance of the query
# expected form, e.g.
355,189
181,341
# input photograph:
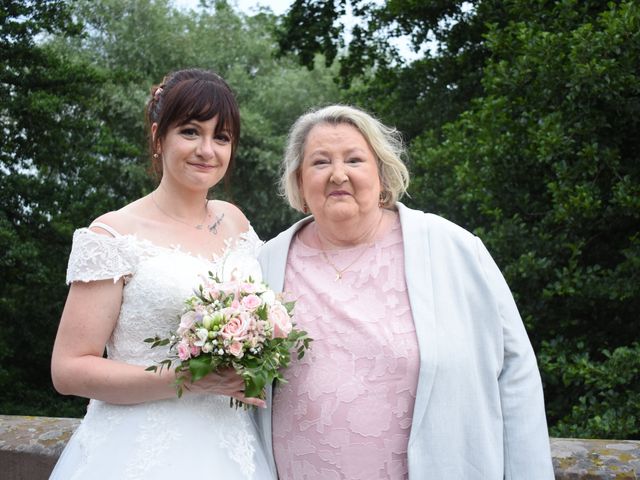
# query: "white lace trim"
100,257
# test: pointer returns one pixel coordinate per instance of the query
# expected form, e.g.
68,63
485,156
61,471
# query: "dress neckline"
381,241
229,243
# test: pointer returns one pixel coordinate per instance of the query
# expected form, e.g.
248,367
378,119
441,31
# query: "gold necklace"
212,228
341,271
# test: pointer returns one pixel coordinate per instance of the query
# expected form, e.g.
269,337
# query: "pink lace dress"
346,411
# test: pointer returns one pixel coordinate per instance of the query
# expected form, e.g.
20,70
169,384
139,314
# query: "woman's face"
194,156
339,176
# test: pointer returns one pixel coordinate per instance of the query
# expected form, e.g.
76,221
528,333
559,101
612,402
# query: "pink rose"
184,351
235,349
247,287
237,328
251,302
281,321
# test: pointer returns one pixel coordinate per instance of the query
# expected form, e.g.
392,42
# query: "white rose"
268,297
203,336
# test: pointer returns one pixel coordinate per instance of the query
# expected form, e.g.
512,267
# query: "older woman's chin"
344,209
338,215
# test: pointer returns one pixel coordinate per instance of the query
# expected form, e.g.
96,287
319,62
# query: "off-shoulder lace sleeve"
99,257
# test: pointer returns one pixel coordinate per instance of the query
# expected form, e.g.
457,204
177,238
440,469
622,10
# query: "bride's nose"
205,148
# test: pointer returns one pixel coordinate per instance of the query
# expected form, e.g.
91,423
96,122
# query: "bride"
130,272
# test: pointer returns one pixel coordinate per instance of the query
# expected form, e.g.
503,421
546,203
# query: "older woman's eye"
354,160
319,162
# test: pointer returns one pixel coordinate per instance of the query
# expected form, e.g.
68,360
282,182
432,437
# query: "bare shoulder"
235,221
119,222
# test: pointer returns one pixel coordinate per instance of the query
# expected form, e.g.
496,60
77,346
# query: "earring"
381,200
305,207
156,156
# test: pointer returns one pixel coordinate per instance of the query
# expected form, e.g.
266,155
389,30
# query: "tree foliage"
73,143
414,96
49,174
544,167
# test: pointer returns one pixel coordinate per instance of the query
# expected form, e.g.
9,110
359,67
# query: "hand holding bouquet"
238,323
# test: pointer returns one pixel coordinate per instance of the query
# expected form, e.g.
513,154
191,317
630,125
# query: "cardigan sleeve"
527,453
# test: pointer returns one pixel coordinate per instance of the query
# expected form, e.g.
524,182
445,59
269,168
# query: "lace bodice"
153,439
157,281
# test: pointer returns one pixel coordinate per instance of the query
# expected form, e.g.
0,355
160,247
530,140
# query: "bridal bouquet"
237,323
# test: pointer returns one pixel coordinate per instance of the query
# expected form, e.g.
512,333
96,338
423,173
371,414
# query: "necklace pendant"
338,276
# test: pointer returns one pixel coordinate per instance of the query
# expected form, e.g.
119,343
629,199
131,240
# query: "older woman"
421,366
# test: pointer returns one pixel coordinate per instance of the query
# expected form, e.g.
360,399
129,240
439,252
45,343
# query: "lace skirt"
196,437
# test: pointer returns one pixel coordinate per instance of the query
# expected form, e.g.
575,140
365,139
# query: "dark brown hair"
192,94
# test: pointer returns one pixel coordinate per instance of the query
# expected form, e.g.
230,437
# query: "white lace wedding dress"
197,436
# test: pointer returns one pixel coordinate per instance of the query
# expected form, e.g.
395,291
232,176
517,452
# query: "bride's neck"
180,202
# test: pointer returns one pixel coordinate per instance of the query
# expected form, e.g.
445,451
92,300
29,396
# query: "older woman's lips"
338,193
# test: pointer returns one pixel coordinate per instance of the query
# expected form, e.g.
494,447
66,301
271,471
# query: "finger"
250,400
254,401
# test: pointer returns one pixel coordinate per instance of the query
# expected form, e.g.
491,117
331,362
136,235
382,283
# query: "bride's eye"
223,138
189,132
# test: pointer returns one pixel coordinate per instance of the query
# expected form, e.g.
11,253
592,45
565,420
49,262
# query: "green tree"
414,95
544,167
51,174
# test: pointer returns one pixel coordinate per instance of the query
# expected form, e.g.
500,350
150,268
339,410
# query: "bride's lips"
201,166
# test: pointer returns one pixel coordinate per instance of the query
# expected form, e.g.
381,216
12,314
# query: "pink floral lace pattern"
347,409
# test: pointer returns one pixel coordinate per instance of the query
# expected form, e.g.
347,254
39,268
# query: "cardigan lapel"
274,262
417,265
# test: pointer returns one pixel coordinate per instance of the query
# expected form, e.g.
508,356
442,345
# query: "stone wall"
30,446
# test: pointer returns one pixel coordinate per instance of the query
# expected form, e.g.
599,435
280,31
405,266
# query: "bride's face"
194,155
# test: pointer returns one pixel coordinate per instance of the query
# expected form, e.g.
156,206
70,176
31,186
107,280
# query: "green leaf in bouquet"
157,341
179,384
254,382
199,367
252,361
262,312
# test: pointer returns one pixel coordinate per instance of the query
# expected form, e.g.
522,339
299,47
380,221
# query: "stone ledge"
581,459
30,446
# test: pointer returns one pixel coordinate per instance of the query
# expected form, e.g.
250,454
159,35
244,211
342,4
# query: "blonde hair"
386,143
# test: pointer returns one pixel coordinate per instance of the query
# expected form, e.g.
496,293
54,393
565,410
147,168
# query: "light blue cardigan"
479,410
